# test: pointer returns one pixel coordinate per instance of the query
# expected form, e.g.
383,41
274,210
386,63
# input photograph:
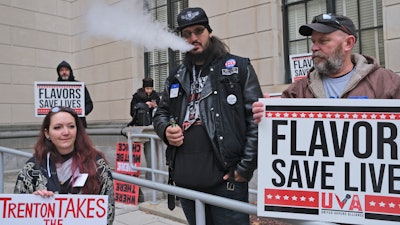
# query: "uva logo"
328,200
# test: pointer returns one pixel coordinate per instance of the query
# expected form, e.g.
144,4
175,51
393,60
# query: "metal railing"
153,168
12,152
200,198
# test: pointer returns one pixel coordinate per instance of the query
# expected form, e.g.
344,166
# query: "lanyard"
195,84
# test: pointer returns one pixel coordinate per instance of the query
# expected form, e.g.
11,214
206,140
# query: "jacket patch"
228,72
230,63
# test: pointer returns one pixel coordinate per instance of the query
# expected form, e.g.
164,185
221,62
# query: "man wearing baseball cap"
328,23
205,118
337,72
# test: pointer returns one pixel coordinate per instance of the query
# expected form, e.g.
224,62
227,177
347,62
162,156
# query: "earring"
48,139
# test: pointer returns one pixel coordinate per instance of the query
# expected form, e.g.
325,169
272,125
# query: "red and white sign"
125,192
68,94
299,65
22,209
334,160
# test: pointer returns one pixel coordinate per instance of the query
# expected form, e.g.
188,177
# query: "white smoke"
127,21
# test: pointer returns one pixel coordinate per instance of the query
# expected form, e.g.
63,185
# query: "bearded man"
66,74
337,72
205,118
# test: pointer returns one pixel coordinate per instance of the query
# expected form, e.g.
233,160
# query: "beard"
64,76
201,56
330,64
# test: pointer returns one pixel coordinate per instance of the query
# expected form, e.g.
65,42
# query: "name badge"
80,180
174,91
227,72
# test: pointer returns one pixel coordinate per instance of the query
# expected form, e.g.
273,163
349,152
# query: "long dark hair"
84,154
217,48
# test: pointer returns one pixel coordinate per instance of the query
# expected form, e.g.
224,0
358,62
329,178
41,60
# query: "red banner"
126,192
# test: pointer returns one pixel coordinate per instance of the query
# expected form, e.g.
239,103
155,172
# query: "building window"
158,63
366,15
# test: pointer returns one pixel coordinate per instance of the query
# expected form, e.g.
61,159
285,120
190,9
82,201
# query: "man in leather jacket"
205,118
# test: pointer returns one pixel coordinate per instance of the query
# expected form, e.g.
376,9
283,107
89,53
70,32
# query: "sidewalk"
148,214
145,213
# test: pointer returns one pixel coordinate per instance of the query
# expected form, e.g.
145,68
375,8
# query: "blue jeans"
217,215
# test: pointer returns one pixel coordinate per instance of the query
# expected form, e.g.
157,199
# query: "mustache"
318,54
196,42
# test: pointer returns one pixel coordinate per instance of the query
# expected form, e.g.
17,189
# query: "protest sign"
126,192
331,160
299,65
22,209
68,94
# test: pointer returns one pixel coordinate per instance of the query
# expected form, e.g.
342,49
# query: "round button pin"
231,99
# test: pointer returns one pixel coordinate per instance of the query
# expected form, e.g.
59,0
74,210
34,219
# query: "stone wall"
391,9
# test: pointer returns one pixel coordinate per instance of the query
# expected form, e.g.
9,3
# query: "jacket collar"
364,66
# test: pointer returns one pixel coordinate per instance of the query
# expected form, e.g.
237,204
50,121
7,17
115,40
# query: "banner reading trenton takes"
22,209
331,160
67,94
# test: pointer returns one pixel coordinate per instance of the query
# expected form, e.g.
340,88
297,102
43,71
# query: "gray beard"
331,65
64,77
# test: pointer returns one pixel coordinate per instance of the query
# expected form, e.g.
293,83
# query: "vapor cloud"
127,21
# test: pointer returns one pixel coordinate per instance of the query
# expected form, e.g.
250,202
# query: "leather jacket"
225,110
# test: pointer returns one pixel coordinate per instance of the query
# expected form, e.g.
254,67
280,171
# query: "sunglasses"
187,34
331,19
57,109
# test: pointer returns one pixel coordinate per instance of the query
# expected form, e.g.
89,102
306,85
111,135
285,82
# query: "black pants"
217,215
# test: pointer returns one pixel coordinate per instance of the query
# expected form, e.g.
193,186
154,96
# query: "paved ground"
148,214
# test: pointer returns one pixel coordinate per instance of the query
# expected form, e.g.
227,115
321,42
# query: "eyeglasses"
57,109
187,34
331,19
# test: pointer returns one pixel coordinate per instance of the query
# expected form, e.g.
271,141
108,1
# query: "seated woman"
63,151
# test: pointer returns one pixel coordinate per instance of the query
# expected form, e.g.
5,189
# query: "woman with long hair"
63,152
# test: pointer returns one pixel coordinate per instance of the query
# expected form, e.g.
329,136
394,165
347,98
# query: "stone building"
36,35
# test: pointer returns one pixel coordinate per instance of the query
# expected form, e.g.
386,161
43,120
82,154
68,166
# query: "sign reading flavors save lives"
67,94
331,160
299,65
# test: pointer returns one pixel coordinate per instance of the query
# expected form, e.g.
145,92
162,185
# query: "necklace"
195,83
